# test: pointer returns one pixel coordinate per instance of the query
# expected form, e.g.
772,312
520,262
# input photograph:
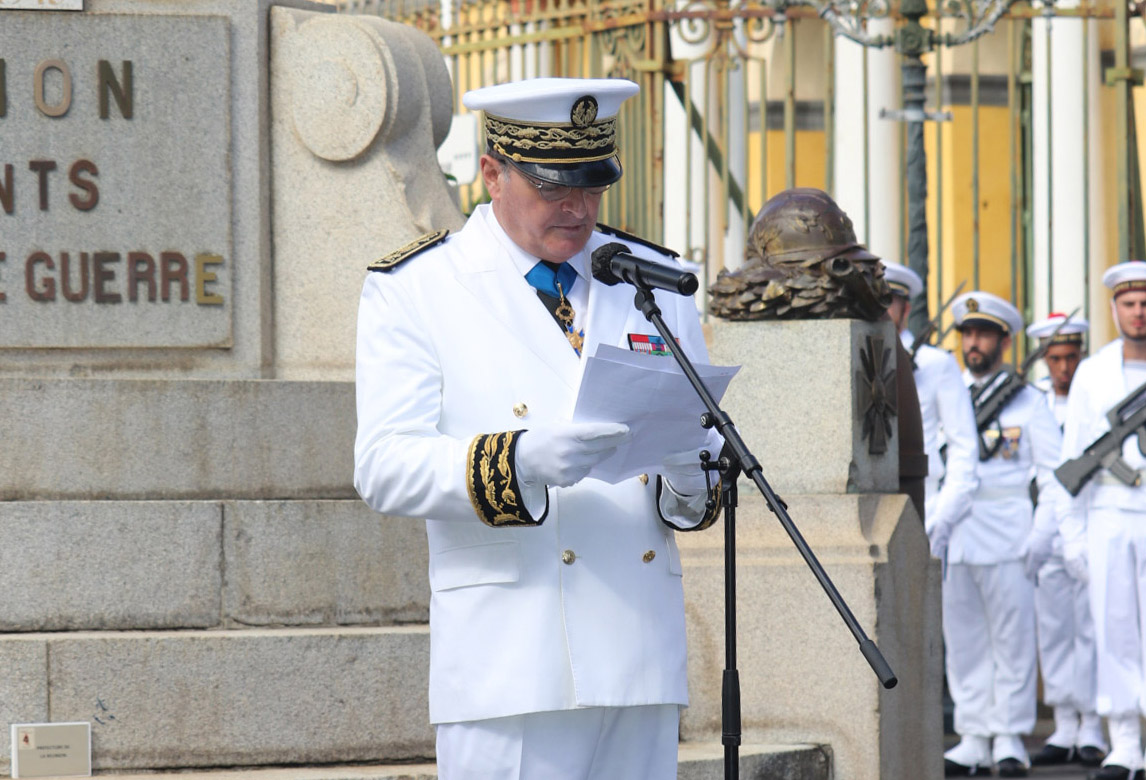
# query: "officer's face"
1130,314
1062,361
898,311
983,348
549,230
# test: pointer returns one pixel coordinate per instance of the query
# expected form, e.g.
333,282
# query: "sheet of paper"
653,397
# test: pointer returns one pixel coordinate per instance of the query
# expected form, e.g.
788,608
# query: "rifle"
933,324
1126,418
990,399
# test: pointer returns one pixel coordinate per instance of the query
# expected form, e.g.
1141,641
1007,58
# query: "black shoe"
1053,754
1011,767
1113,772
953,769
1089,755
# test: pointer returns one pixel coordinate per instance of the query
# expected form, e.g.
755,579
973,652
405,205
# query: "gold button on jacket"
568,556
648,557
520,410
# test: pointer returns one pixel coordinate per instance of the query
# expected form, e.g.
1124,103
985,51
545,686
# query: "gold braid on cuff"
492,483
714,497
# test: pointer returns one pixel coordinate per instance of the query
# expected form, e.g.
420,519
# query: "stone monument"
190,194
808,404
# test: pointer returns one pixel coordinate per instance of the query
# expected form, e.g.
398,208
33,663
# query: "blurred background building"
1029,141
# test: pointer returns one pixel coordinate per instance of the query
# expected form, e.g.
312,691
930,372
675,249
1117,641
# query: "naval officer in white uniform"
1062,601
557,631
948,419
988,592
1104,534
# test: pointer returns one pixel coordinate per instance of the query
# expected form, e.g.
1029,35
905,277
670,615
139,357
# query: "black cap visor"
597,173
983,322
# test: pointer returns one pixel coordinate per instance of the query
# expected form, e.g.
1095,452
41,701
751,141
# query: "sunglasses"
554,192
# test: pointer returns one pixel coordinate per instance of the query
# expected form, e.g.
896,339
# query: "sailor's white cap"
557,129
902,280
1125,277
984,308
1070,333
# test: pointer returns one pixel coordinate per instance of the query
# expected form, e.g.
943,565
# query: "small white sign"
41,5
51,749
458,154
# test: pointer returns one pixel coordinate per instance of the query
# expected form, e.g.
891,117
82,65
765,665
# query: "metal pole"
975,199
1086,168
790,106
830,109
1120,79
912,41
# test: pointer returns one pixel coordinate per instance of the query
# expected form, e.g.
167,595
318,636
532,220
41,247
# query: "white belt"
1002,493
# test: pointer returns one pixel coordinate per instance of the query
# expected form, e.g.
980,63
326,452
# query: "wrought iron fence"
741,100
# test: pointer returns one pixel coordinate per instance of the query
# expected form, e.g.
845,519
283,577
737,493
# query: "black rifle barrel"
1126,418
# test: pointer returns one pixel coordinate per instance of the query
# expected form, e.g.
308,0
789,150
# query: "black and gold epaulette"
612,231
404,253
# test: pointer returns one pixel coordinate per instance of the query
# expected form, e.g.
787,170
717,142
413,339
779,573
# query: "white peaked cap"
1125,277
1070,333
562,131
902,280
549,99
984,307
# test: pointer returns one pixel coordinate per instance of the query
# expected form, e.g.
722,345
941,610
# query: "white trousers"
989,631
1066,638
1116,546
594,743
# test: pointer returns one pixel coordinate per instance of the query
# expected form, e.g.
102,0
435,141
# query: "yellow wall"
811,164
957,240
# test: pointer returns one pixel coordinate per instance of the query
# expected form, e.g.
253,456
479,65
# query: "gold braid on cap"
1133,284
982,316
492,481
552,142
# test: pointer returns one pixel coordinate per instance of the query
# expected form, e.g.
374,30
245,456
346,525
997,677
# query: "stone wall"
186,217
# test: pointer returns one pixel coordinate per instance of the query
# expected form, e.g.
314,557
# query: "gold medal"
564,312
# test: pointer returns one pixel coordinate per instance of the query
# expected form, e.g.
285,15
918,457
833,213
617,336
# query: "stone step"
138,565
176,439
253,697
178,700
697,762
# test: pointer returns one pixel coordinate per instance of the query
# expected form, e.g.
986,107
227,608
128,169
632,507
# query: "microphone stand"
735,457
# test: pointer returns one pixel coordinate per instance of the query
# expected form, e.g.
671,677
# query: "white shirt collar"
522,260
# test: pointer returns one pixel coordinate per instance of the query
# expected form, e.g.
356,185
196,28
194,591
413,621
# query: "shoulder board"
402,254
612,231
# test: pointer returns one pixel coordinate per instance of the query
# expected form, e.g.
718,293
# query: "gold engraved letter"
203,276
65,103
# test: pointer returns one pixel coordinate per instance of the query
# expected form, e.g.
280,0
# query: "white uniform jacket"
945,406
1058,409
585,609
1098,386
1001,512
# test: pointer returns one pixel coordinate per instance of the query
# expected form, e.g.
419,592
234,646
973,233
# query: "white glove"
1074,559
684,474
938,536
561,455
1037,547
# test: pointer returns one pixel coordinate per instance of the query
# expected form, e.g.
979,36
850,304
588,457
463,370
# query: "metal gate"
741,100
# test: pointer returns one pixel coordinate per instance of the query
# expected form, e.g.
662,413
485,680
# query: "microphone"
612,263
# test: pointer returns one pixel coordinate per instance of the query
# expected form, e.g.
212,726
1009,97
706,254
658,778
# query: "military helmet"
804,224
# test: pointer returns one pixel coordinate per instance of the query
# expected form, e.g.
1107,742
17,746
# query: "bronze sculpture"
803,262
